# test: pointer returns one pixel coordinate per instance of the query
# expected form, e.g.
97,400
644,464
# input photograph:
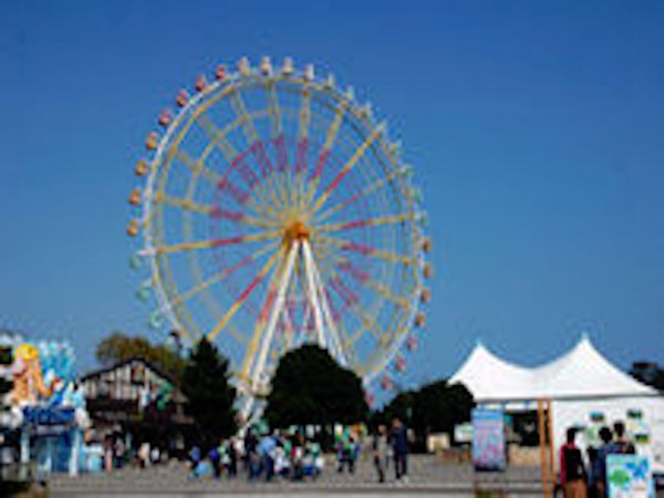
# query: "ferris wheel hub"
296,231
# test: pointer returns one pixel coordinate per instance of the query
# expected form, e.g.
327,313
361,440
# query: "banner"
629,476
488,439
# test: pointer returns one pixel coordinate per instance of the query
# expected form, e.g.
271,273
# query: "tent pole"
542,441
552,473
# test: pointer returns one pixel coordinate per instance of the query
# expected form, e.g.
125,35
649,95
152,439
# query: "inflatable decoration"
28,378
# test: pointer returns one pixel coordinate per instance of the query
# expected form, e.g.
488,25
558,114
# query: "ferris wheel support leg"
330,327
312,294
277,310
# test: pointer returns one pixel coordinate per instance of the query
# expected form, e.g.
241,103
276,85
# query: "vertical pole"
552,473
541,425
75,452
312,295
330,327
25,446
277,309
25,453
48,464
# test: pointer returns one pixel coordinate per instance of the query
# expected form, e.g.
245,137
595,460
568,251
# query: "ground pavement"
427,477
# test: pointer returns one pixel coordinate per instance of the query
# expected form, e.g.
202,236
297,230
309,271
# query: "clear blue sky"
535,128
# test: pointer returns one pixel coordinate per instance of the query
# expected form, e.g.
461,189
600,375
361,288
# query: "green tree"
205,383
310,387
401,407
434,407
649,373
119,347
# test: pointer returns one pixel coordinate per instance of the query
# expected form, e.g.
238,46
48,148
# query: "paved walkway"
427,477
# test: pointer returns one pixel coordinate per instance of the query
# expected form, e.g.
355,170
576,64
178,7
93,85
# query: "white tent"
578,383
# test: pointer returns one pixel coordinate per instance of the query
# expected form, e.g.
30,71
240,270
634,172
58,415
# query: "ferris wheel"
276,212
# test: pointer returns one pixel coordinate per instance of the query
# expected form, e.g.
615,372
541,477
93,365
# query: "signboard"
463,433
48,421
629,476
488,439
37,415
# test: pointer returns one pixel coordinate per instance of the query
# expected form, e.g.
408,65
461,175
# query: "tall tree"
310,387
119,347
649,373
205,383
434,407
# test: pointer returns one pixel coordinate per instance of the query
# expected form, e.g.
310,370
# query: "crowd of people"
295,455
579,480
278,455
268,456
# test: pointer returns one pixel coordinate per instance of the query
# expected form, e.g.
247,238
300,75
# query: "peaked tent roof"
580,373
487,376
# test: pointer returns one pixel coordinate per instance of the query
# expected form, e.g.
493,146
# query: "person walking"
194,461
266,448
572,470
250,454
400,448
380,445
345,451
232,457
215,459
144,454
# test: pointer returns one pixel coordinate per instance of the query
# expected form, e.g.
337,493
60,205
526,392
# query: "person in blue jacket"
400,447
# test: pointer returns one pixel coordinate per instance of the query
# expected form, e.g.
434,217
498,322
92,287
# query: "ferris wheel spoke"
211,210
235,307
180,299
283,167
350,164
352,301
218,138
304,121
365,250
237,161
377,185
239,217
364,278
278,138
186,204
275,111
215,179
256,144
330,138
366,222
197,167
206,244
345,266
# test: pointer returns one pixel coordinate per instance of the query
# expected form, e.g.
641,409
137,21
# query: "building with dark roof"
135,401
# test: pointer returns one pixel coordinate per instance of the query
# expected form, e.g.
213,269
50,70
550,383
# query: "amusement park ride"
276,212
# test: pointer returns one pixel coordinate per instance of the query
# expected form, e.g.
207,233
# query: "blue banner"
48,416
488,439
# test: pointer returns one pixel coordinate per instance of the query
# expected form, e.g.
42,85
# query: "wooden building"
134,401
